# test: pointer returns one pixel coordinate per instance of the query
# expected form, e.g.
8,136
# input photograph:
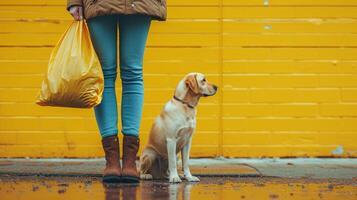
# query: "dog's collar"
182,101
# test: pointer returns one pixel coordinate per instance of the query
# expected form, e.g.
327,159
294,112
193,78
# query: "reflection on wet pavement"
209,188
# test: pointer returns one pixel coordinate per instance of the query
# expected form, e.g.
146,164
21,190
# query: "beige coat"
92,8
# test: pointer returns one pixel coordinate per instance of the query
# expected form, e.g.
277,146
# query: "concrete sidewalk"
284,168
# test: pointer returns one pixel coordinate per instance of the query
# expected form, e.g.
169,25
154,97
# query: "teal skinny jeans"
133,32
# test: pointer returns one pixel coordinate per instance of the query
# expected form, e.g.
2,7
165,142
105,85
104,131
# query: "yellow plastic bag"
74,77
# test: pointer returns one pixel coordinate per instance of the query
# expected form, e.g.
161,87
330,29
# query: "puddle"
25,187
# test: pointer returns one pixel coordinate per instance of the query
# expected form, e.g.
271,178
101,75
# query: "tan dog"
172,131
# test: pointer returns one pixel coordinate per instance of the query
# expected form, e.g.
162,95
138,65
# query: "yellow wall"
287,72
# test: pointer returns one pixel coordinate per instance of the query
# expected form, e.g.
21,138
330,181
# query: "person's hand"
76,12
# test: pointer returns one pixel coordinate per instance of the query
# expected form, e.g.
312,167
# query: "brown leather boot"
130,148
112,171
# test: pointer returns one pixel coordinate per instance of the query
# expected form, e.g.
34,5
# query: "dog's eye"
204,80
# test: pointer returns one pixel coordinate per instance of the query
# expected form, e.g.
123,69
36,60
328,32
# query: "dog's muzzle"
215,91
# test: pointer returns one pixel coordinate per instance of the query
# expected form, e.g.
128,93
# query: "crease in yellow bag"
74,77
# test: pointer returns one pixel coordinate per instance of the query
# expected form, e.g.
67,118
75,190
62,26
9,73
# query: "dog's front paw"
174,179
146,176
192,178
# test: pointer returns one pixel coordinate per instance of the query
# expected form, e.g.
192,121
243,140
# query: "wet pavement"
220,179
41,187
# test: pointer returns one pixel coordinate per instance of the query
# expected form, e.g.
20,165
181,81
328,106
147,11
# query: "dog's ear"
191,82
